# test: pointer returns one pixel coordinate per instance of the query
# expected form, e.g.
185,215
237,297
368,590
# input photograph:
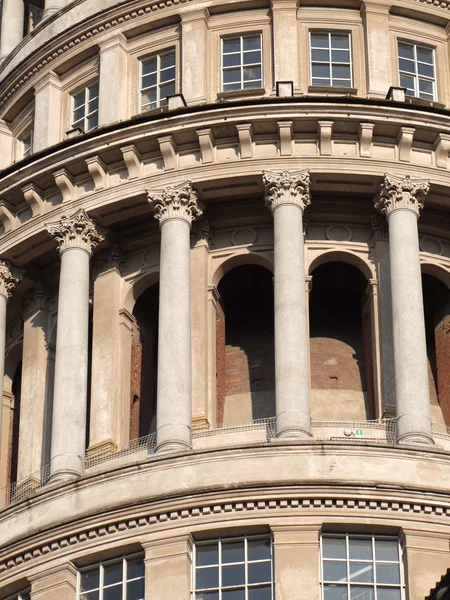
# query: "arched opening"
13,454
245,345
144,362
436,300
341,359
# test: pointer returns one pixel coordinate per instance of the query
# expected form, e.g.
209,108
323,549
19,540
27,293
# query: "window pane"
388,594
426,70
229,87
149,96
231,60
93,92
362,593
407,82
207,578
113,593
252,73
361,572
252,43
335,571
320,55
259,572
91,596
406,51
207,555
340,56
231,45
258,549
136,590
167,60
319,40
341,83
426,86
92,122
425,55
334,548
149,66
90,580
167,90
135,567
233,595
360,549
406,65
149,80
386,550
78,114
233,552
167,75
248,85
93,105
231,75
207,596
388,574
321,71
233,575
341,72
321,82
252,58
339,41
335,592
78,99
260,593
112,573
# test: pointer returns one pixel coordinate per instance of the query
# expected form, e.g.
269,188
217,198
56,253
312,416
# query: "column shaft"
13,14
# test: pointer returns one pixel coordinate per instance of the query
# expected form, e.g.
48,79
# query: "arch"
140,284
238,260
342,256
437,271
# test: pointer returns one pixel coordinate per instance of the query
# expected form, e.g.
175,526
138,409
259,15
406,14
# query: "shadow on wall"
245,352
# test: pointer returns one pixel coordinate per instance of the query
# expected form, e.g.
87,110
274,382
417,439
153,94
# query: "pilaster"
113,74
6,145
47,112
168,566
194,40
57,583
285,41
378,47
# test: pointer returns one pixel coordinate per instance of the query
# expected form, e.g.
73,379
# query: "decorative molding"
243,236
9,278
110,259
175,202
245,135
202,234
379,228
365,139
325,137
97,170
285,131
338,232
401,193
39,298
206,143
77,231
287,187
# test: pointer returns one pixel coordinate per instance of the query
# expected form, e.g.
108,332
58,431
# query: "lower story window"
361,567
234,569
119,579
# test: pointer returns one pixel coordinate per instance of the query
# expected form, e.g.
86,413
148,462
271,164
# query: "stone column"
113,72
34,391
378,44
47,112
194,41
8,280
11,35
57,583
296,558
76,237
175,208
401,199
285,41
168,567
287,195
52,7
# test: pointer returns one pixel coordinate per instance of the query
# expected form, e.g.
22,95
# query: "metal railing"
24,488
140,446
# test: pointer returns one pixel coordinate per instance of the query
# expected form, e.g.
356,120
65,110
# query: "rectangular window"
120,579
157,80
242,62
24,595
361,567
85,108
416,68
331,59
26,144
234,569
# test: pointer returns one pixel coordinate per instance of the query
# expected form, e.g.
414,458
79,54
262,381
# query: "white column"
47,112
11,35
113,73
8,281
76,237
175,208
287,195
53,6
401,199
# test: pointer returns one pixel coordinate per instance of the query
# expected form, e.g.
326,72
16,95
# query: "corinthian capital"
175,202
401,193
77,231
287,187
8,279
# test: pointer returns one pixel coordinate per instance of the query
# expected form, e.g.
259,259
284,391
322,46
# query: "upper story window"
85,108
157,80
234,568
361,567
26,144
24,595
242,62
121,579
416,68
331,59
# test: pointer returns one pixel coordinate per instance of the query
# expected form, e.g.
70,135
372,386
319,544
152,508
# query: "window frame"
22,595
416,75
246,586
158,54
241,65
330,63
85,89
100,565
373,536
23,137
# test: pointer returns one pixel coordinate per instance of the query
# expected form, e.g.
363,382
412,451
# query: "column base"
294,433
63,477
166,447
415,438
293,424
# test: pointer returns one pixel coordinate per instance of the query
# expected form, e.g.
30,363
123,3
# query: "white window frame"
159,102
241,65
86,115
416,76
100,565
245,562
24,153
329,33
374,562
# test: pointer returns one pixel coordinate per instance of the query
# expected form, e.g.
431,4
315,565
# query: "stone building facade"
224,299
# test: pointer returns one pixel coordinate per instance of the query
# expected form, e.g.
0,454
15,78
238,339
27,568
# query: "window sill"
423,102
334,91
241,93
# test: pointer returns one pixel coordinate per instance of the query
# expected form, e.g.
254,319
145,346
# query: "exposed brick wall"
220,363
135,385
442,345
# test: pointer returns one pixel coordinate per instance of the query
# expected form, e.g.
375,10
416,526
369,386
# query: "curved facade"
224,299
